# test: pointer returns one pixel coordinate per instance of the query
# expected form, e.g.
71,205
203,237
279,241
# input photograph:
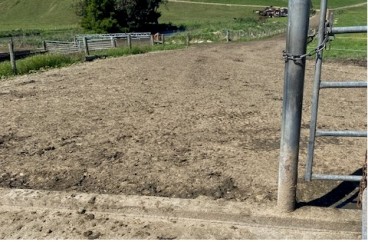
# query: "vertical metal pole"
227,35
296,45
315,97
12,56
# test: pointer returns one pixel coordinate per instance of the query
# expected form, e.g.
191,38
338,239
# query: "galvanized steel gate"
295,54
326,30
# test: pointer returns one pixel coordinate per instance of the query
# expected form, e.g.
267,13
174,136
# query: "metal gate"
325,31
295,56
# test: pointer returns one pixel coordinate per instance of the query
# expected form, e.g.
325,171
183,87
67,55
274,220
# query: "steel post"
296,45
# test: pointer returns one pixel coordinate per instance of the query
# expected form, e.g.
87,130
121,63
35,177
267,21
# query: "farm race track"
201,124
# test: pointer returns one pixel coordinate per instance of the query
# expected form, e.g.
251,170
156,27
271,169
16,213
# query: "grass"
135,50
49,15
47,61
39,62
347,46
247,2
216,18
282,3
192,15
37,14
350,17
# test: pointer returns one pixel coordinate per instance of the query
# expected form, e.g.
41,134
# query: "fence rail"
62,47
140,35
99,44
79,46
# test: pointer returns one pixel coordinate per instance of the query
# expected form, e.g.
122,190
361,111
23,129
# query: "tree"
98,15
118,15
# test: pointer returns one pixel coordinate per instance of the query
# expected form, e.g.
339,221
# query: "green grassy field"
282,3
210,17
59,14
37,14
348,46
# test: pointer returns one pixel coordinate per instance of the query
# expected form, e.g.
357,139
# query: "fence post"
296,45
85,42
163,39
187,40
113,42
12,56
129,41
152,40
44,45
227,36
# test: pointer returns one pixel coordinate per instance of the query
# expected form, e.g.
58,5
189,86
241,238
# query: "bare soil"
204,121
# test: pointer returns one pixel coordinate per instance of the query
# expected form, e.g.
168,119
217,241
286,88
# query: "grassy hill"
195,16
55,19
37,14
59,14
282,3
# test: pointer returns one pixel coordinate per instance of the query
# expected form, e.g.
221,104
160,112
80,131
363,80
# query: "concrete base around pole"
40,214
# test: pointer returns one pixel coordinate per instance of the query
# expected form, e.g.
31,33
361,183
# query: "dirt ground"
199,122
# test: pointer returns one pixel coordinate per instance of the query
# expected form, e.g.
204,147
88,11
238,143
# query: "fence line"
108,41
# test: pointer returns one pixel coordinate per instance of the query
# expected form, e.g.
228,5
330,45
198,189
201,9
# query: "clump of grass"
39,62
46,61
135,50
5,69
116,52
